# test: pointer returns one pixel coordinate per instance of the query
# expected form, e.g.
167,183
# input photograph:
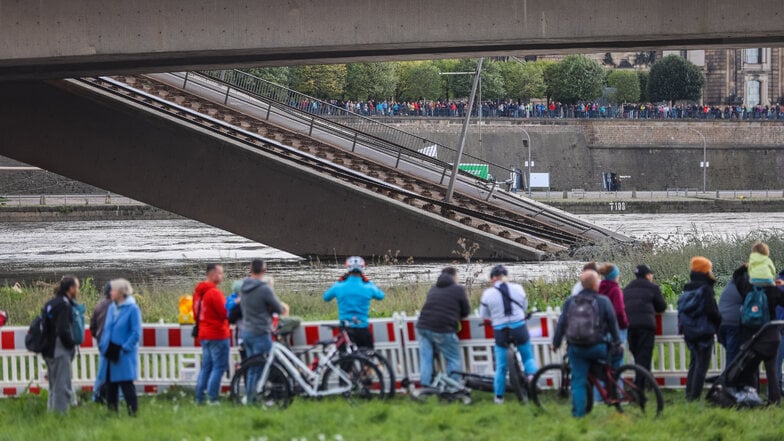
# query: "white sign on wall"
540,180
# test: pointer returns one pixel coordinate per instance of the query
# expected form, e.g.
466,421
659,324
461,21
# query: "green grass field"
175,417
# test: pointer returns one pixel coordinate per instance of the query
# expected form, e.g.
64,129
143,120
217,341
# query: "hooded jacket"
611,290
123,327
643,300
258,302
710,307
210,304
445,306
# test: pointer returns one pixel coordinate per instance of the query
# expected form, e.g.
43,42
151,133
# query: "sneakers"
498,400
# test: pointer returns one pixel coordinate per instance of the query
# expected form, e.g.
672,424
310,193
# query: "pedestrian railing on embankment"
668,194
168,356
65,200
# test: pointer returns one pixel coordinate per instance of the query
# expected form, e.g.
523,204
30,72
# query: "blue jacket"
353,295
123,327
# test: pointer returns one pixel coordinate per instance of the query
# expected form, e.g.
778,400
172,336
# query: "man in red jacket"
209,307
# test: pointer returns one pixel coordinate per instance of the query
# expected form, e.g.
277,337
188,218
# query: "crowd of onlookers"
516,109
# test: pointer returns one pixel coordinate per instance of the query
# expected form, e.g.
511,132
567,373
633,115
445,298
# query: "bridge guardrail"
351,124
168,356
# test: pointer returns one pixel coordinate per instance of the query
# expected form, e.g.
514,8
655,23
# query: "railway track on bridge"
337,162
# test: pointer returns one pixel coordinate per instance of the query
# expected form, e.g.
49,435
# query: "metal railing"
65,200
353,127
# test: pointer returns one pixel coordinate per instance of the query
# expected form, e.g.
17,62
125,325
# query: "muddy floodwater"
172,252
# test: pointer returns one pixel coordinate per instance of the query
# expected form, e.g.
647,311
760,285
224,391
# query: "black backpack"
35,340
693,321
583,325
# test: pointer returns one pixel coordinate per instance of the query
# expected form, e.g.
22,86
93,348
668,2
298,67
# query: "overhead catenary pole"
461,145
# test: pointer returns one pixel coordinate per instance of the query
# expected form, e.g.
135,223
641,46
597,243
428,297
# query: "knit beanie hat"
701,264
613,274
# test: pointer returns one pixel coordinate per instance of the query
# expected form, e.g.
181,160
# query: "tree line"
576,78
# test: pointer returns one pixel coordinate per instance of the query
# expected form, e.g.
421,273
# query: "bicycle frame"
300,372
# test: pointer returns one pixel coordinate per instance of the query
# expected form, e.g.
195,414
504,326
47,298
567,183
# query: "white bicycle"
272,380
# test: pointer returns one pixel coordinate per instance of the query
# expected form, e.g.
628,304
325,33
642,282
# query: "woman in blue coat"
120,345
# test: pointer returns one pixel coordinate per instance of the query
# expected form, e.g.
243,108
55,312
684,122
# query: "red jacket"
612,290
210,303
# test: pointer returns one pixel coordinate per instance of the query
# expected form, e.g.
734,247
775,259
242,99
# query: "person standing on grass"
59,347
730,303
119,345
97,320
209,306
506,305
610,288
353,292
588,323
643,299
698,320
445,306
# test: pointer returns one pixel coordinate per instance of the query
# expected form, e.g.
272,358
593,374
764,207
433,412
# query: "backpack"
35,339
755,312
77,323
693,321
583,327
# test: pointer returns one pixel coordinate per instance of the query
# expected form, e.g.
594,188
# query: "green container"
478,170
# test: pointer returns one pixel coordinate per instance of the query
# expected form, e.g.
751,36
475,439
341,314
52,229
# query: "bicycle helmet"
355,264
498,270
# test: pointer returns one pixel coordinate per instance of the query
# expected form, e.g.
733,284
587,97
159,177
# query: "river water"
174,251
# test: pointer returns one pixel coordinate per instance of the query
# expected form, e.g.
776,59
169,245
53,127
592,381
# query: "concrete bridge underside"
56,39
186,169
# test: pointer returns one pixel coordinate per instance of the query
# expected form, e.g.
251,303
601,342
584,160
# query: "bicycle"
343,343
551,386
444,386
271,380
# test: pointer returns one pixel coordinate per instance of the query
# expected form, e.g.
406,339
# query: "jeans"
641,341
729,337
580,360
255,344
529,364
698,367
446,344
214,363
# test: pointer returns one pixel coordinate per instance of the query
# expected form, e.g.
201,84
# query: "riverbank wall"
649,155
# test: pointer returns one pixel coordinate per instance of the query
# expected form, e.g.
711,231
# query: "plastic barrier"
168,355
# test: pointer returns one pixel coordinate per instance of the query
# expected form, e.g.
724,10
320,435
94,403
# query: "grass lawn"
175,417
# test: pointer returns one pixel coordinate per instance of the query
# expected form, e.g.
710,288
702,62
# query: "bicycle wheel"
365,380
551,388
387,372
516,376
275,392
640,395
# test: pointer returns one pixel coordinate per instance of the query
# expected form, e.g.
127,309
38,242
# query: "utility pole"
456,166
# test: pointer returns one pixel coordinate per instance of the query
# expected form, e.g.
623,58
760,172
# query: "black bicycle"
629,388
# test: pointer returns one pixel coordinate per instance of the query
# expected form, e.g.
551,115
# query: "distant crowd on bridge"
554,110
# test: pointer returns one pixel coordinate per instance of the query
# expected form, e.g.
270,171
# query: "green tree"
675,78
523,80
576,78
326,81
370,81
419,80
626,84
492,81
643,75
277,75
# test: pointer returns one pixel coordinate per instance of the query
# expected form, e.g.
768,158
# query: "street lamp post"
704,164
528,163
456,166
